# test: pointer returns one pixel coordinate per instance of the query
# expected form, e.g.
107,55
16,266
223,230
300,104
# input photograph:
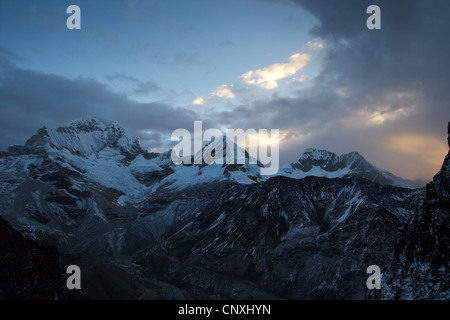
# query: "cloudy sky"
310,68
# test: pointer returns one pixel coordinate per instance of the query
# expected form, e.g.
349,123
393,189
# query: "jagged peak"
352,157
82,137
316,153
93,124
317,157
448,131
355,153
321,156
207,150
326,163
85,136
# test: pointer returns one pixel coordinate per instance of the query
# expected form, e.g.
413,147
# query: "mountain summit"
323,163
82,137
104,152
92,191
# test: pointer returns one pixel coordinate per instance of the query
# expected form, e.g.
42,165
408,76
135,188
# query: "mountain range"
204,231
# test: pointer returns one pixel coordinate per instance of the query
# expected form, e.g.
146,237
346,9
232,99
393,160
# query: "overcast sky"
310,68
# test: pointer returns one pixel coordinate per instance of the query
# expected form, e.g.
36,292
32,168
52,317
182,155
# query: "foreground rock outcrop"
29,271
421,265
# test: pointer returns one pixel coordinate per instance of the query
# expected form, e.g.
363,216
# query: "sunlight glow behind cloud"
267,77
314,45
223,91
307,69
199,101
426,150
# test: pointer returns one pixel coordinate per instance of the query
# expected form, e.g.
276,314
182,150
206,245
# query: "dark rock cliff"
420,269
29,271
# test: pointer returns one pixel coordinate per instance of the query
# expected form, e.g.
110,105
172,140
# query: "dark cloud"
375,86
8,58
382,92
31,99
138,87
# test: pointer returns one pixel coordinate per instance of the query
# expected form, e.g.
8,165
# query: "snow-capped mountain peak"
114,159
206,224
313,157
323,163
87,136
82,137
240,155
330,162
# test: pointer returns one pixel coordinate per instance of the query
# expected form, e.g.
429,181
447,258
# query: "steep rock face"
77,187
305,239
217,230
421,266
29,270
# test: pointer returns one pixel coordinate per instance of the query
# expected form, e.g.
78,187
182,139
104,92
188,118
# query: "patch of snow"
353,206
122,200
316,171
104,169
93,209
140,164
218,221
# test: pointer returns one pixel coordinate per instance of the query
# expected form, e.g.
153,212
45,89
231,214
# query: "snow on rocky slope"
323,163
91,189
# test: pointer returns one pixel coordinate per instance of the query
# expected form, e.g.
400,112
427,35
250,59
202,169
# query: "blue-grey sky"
182,48
309,68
